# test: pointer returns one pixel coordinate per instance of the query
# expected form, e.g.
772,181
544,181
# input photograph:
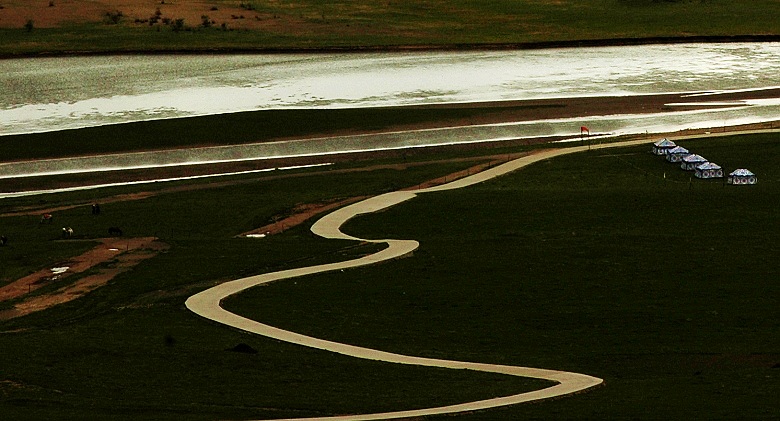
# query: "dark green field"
313,25
132,350
594,262
610,263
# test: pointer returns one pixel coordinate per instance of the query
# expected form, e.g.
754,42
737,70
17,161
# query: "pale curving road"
207,303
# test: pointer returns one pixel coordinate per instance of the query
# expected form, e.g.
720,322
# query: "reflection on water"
55,93
58,93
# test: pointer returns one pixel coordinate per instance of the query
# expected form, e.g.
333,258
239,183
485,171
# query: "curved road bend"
207,303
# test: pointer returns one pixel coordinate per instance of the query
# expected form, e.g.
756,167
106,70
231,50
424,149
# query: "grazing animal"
47,217
3,240
115,232
67,232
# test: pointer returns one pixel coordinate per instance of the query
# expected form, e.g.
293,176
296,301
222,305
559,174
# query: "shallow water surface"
44,94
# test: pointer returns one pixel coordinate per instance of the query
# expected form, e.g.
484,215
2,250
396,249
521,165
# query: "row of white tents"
702,167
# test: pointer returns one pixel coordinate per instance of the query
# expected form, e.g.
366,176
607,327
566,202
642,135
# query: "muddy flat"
123,253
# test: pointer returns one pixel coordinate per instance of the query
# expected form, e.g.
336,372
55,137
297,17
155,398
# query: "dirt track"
127,252
207,303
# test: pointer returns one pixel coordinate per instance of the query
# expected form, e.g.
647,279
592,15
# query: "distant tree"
29,25
178,25
114,17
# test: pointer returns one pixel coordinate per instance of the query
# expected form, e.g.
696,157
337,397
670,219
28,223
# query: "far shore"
583,43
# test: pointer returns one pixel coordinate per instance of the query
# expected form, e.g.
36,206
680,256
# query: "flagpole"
584,129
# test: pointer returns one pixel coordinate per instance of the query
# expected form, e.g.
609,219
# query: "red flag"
584,129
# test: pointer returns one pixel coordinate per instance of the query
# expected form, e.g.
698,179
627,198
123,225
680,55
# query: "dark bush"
178,25
114,17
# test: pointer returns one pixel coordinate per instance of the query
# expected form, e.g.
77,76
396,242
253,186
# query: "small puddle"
56,272
60,270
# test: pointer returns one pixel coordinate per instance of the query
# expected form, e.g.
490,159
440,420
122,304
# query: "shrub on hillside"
178,25
114,17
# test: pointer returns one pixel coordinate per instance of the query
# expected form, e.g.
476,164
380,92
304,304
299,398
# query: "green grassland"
132,351
594,262
610,263
613,263
313,24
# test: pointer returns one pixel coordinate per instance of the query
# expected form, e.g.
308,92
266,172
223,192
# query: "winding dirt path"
207,303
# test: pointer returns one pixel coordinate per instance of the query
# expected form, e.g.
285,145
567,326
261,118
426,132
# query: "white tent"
690,162
709,170
662,146
742,176
676,154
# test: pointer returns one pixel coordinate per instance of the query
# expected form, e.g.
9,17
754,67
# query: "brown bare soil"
299,214
123,253
15,13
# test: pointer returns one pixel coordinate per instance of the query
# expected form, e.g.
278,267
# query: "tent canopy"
678,150
708,166
694,158
742,173
665,143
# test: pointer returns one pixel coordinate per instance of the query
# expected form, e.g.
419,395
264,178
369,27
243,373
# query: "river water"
41,94
44,94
